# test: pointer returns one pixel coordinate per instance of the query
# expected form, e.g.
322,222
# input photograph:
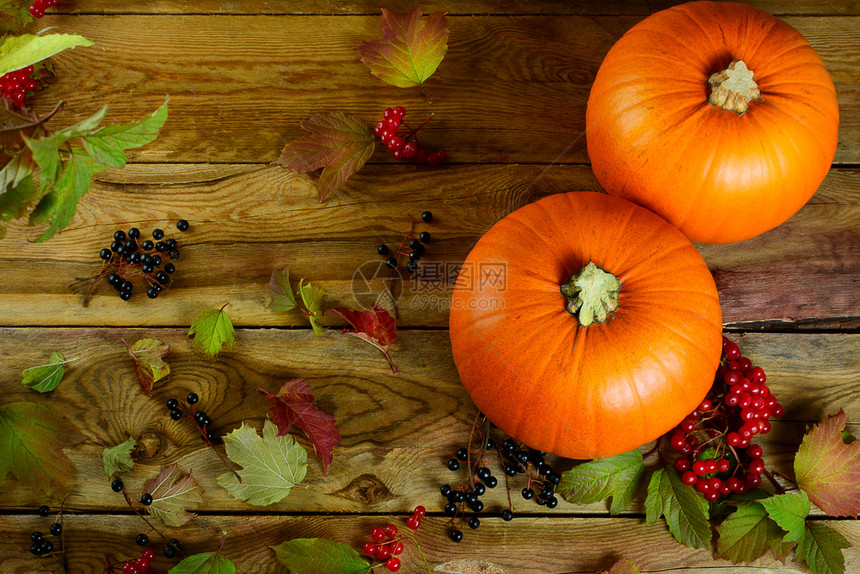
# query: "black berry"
483,473
152,293
157,233
169,552
427,217
44,510
412,266
170,243
176,414
146,499
47,546
119,235
147,245
450,509
424,236
456,535
491,482
480,489
391,262
462,453
142,539
474,523
162,277
477,506
382,249
453,464
36,536
161,246
192,398
552,502
56,529
125,295
528,493
507,515
117,485
445,490
182,225
414,244
169,268
36,548
134,232
115,245
172,403
105,254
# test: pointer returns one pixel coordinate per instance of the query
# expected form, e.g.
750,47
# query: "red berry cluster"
38,7
385,545
403,144
16,84
717,457
140,565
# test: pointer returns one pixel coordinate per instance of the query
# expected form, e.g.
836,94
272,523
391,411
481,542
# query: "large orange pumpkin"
560,355
715,115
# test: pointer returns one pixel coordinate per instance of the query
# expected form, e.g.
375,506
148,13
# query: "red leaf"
828,469
337,143
375,326
295,405
410,50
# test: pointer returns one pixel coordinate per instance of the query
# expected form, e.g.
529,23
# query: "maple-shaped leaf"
319,556
685,510
828,469
32,438
172,495
410,50
281,296
747,534
118,458
821,549
271,466
338,144
789,511
312,297
623,567
618,476
375,326
45,378
467,566
294,404
147,355
204,563
212,329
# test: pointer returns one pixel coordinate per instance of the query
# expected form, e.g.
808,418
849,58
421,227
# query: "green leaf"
312,297
821,549
747,534
281,296
107,145
410,50
45,378
18,168
17,52
828,469
619,476
118,458
32,438
14,15
336,143
685,510
84,126
272,465
789,511
319,556
212,329
172,494
205,563
59,205
46,154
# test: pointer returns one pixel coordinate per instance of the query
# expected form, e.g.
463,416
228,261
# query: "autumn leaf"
748,533
821,549
147,355
410,50
172,494
204,563
319,556
295,405
685,510
468,566
45,378
312,297
118,458
336,143
619,476
212,329
375,326
828,469
623,567
272,465
281,296
32,438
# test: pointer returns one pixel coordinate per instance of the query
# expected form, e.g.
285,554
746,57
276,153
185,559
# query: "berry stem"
148,523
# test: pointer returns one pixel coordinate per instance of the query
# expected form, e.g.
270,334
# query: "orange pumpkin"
585,325
715,115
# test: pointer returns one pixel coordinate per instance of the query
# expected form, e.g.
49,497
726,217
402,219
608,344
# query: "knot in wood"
148,445
365,489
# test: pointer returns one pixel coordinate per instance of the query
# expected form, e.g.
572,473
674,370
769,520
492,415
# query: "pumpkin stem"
734,88
593,293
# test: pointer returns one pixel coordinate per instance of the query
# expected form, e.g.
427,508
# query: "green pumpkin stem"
591,294
734,88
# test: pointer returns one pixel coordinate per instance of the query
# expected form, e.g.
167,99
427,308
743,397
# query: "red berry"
369,548
409,149
756,466
413,522
699,468
752,480
712,495
733,439
715,483
390,531
419,511
677,440
734,483
393,564
396,548
755,451
732,351
687,425
689,478
421,155
388,113
149,554
682,464
398,112
705,405
702,485
395,143
710,466
377,534
723,465
394,123
382,552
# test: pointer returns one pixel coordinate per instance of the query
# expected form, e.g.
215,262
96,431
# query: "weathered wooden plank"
524,546
397,431
479,7
498,87
248,219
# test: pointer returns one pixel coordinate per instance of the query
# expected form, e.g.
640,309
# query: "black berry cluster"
130,256
402,141
412,246
15,85
41,544
38,7
140,564
200,418
717,456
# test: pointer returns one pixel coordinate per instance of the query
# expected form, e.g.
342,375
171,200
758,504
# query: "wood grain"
503,77
397,431
525,546
248,219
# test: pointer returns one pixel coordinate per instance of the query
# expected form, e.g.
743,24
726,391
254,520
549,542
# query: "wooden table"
509,103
